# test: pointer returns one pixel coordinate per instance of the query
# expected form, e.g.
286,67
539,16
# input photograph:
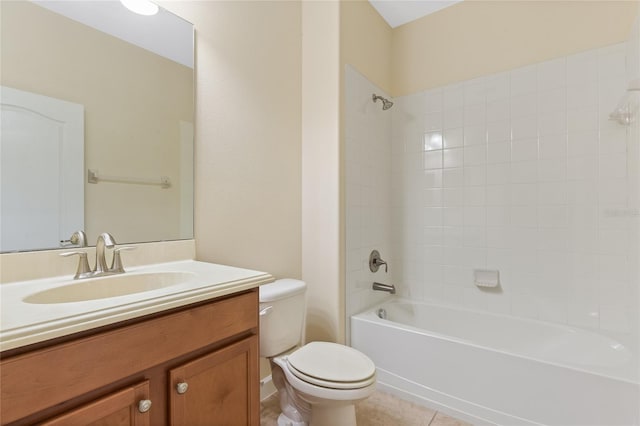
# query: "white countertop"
23,323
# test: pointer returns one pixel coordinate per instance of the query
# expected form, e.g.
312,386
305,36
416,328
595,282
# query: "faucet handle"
116,264
83,263
375,261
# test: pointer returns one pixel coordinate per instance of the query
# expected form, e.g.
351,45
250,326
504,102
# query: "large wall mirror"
97,124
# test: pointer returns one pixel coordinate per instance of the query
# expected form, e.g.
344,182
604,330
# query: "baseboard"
266,388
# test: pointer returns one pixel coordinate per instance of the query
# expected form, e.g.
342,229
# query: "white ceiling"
398,12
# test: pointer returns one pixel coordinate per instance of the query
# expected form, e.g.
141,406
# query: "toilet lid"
332,365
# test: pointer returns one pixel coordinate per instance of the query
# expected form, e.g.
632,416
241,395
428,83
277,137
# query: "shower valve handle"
375,261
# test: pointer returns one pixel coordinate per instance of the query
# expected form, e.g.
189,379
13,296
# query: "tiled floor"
381,409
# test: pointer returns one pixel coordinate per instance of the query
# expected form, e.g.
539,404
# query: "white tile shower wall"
368,189
522,172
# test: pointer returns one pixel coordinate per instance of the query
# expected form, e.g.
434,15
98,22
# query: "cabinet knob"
182,387
144,405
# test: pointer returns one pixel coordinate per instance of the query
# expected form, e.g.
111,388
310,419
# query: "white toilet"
318,383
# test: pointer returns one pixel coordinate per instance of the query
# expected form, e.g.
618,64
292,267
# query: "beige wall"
247,133
365,42
124,134
476,38
321,251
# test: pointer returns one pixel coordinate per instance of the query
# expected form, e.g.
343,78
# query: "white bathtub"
497,369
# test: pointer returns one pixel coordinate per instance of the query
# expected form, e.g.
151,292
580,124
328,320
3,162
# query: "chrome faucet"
105,240
389,288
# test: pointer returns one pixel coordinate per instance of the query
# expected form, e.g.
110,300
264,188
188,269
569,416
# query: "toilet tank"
282,315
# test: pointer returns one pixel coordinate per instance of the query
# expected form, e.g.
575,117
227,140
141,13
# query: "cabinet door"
122,408
219,389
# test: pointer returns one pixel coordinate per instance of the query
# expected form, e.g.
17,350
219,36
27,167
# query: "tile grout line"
435,413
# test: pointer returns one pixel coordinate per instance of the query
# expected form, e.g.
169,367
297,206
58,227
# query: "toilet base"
286,421
332,415
325,415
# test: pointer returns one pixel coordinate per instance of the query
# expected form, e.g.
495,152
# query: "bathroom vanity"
190,358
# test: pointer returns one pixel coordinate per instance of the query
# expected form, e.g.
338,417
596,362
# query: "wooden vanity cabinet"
197,365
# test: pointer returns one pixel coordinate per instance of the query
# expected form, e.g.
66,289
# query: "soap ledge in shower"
486,278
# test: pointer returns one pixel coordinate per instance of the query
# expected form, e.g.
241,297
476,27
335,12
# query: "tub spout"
389,288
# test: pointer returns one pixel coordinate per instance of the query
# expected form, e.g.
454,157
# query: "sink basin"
109,286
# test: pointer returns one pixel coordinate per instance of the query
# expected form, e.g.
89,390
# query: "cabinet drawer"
37,380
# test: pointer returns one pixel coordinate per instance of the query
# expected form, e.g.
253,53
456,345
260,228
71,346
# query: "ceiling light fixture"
141,7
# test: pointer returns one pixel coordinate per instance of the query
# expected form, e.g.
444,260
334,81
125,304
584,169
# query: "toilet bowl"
318,383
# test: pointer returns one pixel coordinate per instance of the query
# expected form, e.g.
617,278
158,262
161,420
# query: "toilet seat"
331,365
320,394
330,385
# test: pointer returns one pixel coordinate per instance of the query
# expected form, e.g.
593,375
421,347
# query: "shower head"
386,103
